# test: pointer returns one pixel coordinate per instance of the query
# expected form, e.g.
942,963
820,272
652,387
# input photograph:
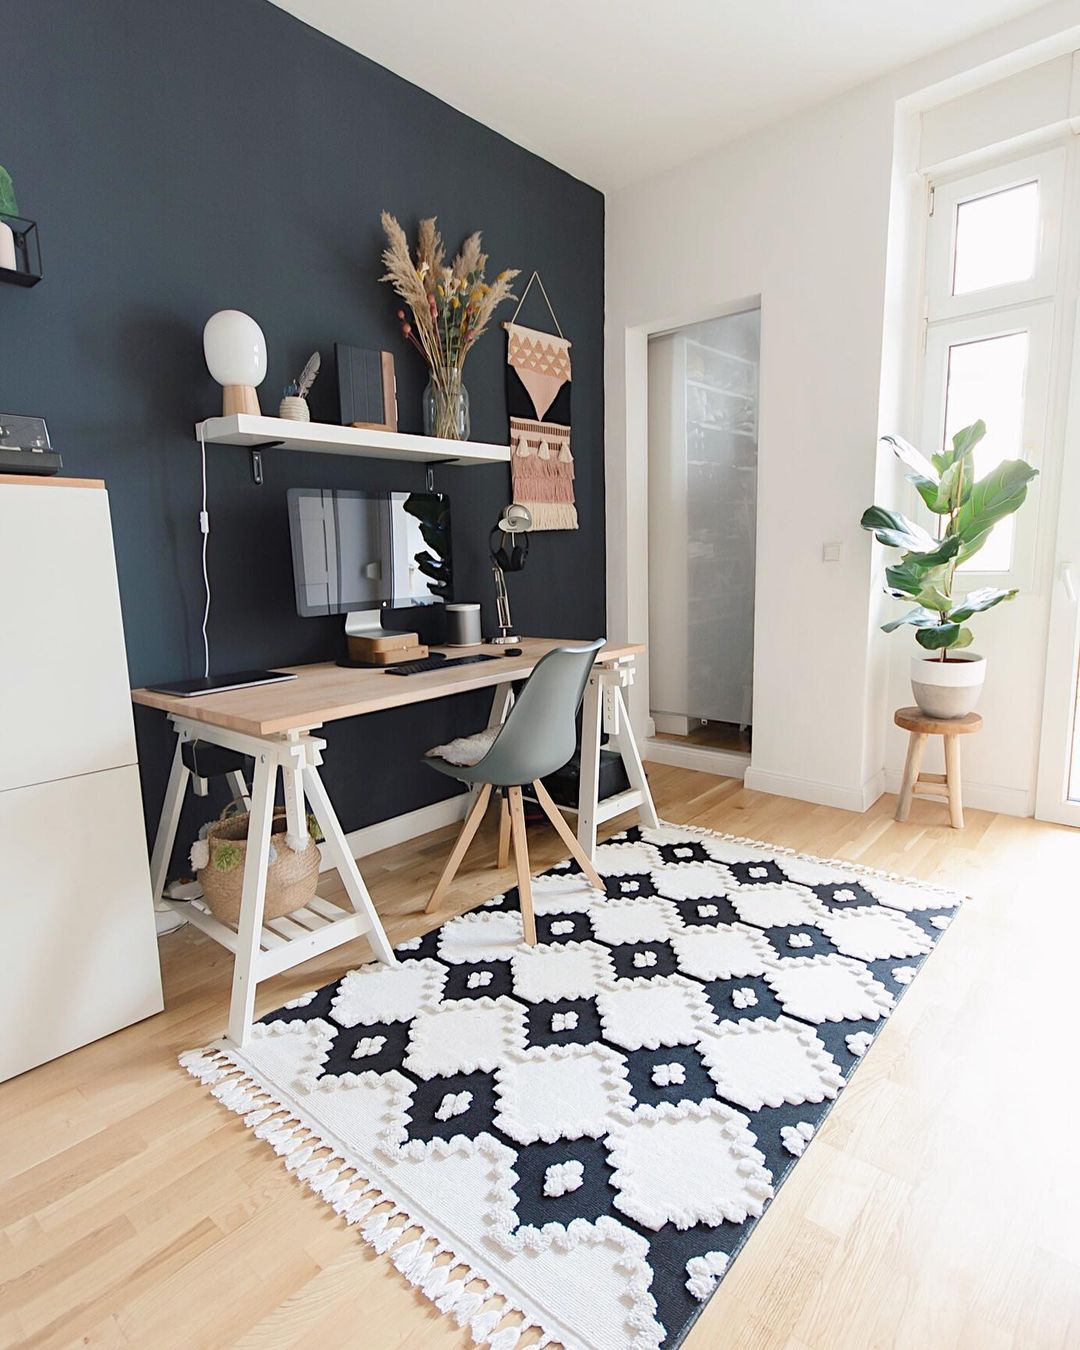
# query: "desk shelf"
286,942
326,439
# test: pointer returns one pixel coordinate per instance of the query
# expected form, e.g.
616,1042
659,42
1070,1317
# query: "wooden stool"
946,786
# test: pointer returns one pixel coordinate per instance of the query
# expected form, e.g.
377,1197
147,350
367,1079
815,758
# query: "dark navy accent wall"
185,156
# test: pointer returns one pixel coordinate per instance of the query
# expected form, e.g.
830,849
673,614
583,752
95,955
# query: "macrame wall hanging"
538,397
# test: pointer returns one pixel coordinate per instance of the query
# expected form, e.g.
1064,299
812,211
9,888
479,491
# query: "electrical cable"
204,526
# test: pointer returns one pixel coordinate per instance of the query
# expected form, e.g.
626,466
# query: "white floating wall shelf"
272,433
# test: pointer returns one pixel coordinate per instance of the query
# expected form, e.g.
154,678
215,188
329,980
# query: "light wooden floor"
715,736
938,1207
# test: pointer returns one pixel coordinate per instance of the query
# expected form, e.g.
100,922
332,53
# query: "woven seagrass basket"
291,877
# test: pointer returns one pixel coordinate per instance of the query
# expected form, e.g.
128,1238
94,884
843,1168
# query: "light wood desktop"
273,723
327,692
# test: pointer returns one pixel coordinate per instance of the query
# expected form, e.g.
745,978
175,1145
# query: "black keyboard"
435,663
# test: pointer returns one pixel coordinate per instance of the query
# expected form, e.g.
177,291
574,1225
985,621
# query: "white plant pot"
295,409
7,247
950,688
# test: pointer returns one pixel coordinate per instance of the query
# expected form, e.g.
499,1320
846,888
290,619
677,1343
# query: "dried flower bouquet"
450,306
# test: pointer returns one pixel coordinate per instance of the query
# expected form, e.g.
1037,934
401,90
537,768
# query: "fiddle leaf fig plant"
967,509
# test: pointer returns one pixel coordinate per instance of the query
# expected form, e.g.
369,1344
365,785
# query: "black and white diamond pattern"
645,1076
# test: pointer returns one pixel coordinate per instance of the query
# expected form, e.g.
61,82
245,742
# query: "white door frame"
728,764
1046,527
1063,639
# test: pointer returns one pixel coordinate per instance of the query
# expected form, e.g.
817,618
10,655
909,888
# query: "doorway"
702,507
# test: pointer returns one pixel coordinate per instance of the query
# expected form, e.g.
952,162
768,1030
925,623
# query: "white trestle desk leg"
589,775
168,822
341,856
253,897
292,777
501,703
239,786
623,740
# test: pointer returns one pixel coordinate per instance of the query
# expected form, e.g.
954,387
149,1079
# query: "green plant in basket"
226,857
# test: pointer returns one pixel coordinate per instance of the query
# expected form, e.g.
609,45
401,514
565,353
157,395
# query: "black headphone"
512,559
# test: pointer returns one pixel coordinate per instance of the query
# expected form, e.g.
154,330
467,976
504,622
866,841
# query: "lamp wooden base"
239,398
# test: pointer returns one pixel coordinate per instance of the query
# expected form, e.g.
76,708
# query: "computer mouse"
511,651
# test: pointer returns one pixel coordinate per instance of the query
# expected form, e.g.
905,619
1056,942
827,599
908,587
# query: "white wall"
812,215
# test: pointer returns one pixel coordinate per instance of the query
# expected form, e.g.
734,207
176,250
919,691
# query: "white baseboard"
1004,801
723,763
396,830
821,794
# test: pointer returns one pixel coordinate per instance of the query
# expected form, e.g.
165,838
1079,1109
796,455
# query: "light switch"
831,552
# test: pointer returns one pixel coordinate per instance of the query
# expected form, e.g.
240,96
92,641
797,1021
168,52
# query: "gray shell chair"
538,737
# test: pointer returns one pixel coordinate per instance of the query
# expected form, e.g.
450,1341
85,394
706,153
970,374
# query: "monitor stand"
367,623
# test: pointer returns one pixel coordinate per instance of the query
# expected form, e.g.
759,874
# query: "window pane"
986,379
996,238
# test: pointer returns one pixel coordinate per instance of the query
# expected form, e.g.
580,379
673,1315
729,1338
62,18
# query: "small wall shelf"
324,438
27,271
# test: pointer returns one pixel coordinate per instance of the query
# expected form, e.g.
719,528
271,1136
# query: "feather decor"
307,378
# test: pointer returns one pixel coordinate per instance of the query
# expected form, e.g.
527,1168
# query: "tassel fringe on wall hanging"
538,397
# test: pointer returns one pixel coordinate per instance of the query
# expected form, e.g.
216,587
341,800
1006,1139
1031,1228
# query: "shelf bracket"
256,460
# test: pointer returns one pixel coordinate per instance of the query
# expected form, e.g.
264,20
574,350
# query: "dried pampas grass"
451,306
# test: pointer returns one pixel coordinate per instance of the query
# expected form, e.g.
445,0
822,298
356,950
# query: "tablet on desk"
218,684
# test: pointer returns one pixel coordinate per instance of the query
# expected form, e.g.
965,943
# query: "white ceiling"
614,90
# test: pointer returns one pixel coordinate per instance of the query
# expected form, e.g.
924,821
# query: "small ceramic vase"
294,409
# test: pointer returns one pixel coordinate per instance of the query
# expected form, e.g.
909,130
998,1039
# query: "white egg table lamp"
235,351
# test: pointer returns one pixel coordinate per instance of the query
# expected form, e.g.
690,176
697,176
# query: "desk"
274,724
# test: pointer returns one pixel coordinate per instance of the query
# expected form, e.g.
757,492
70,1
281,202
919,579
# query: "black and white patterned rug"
578,1137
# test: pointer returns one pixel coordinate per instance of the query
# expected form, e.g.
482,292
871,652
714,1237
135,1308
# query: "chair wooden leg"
952,781
567,835
504,832
916,746
461,846
521,860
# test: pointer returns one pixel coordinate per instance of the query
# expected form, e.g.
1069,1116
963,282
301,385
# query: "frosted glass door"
703,406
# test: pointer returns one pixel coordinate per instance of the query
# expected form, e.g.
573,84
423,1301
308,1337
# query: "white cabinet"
79,953
64,691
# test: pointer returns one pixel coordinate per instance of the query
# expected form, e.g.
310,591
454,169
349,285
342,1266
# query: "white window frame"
1037,321
1046,169
1028,305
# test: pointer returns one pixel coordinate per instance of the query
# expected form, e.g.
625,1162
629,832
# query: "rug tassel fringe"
319,1165
506,1339
485,1323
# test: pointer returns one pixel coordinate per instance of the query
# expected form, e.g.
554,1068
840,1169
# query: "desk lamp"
235,351
515,520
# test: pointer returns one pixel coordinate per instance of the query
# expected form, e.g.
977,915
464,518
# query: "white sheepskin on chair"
466,750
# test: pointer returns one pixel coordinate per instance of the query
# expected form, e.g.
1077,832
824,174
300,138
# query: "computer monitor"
357,553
